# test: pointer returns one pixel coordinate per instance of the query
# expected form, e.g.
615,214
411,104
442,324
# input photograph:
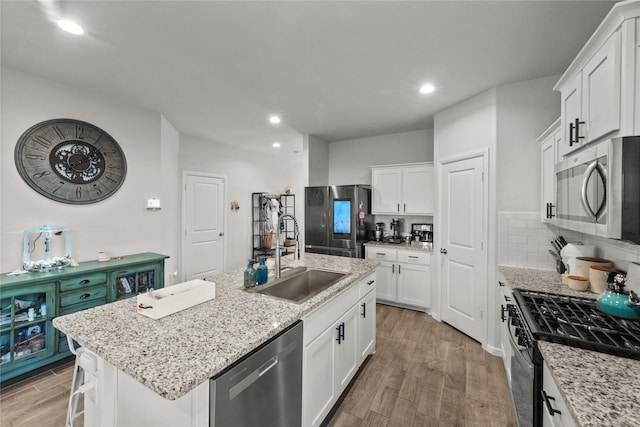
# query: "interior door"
463,265
203,223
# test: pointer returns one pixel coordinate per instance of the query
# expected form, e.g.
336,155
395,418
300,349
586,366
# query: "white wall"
318,161
119,224
170,199
349,160
525,110
247,172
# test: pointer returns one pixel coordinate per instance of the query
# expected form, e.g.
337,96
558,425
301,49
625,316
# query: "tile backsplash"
524,241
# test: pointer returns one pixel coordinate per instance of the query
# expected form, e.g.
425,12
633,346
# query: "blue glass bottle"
262,275
250,275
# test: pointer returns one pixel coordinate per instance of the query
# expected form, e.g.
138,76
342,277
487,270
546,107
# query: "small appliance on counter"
422,235
396,235
379,232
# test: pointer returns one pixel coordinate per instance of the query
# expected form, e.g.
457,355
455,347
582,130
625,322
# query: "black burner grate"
577,322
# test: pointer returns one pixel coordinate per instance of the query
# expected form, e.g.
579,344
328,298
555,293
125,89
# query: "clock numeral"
97,139
59,187
78,192
34,157
114,166
41,174
111,180
39,139
58,131
79,132
98,191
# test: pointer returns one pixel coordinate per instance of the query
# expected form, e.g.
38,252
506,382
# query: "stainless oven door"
522,382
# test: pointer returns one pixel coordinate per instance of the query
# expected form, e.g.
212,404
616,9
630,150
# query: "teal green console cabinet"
30,301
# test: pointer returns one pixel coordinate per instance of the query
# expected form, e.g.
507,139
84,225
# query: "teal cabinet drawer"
82,305
82,296
85,281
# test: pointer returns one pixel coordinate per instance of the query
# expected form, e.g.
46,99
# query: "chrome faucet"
297,234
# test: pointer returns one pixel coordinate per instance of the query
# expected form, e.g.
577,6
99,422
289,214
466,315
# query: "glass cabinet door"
26,333
136,280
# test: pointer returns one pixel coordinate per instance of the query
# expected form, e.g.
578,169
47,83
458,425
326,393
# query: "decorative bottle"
262,275
250,275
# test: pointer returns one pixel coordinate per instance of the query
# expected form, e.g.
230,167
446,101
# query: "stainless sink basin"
299,284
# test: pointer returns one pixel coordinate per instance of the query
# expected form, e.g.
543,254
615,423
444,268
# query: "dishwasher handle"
267,365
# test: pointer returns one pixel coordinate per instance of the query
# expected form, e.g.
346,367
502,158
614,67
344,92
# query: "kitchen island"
176,355
599,389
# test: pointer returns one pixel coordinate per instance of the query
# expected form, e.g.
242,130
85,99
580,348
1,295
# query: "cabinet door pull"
342,328
364,309
85,296
413,256
85,282
551,206
399,267
577,130
393,268
339,335
504,311
500,283
398,207
404,207
571,141
547,399
371,282
379,254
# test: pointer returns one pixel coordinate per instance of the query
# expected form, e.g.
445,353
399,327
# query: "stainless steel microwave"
598,190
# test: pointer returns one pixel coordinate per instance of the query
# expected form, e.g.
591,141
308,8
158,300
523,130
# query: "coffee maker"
379,231
422,235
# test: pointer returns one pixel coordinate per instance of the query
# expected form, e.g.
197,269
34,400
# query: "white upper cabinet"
550,140
599,90
403,189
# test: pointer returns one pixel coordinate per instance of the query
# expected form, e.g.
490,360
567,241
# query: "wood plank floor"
424,373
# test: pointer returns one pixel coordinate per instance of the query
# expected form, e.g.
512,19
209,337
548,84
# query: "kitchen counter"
402,246
540,280
599,389
173,355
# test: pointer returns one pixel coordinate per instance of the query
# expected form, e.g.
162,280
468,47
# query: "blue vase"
250,275
262,275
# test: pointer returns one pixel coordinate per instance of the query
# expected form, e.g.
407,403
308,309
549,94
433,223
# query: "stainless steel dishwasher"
262,389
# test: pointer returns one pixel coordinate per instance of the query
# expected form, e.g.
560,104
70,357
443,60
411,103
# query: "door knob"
220,234
443,251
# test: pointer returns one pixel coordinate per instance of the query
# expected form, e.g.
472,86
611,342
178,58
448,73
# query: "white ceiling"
337,70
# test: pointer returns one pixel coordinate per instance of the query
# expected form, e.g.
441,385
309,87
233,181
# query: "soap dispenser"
262,275
250,275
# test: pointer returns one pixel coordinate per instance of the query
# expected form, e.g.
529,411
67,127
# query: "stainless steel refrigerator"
338,220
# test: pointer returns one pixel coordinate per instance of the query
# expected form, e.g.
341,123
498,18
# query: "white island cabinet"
141,371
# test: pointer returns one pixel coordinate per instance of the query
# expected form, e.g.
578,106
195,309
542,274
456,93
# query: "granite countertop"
599,389
403,246
173,355
540,280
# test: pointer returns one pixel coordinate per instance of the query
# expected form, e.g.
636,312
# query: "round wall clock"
70,161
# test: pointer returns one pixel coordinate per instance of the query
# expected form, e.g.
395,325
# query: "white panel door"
571,99
318,378
203,248
463,266
414,284
417,185
601,90
386,190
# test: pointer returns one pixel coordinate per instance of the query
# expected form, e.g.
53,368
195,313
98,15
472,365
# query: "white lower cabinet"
338,336
404,276
555,412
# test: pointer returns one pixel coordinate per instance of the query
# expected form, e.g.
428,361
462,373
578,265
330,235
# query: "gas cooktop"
577,322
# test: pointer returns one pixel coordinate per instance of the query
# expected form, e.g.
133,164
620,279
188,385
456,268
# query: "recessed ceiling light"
70,27
276,145
274,119
428,88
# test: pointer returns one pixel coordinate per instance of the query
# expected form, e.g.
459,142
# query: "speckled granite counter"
173,355
599,389
540,280
402,246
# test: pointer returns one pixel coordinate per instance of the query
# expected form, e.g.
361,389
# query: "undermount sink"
299,284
